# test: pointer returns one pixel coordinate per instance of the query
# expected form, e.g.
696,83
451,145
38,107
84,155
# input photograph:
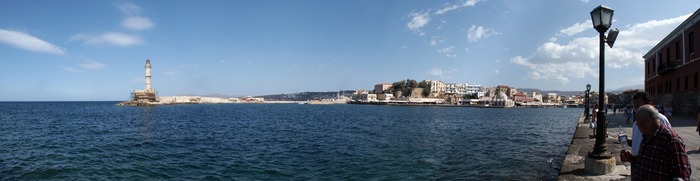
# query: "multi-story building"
473,90
503,88
452,88
671,68
380,88
436,86
536,97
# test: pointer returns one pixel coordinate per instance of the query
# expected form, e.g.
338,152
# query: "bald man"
662,154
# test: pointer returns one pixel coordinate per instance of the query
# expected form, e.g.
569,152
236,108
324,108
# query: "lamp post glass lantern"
602,20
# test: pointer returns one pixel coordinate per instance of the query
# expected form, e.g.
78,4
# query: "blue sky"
95,50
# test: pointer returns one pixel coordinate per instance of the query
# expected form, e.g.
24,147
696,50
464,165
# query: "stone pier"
582,142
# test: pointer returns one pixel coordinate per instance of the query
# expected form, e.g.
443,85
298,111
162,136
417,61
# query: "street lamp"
602,19
588,104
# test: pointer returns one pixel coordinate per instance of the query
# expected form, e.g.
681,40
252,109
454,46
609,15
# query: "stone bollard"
599,166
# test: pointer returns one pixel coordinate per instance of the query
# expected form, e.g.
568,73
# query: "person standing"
697,128
628,114
641,99
662,155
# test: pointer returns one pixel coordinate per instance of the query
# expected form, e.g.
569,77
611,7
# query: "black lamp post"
602,19
588,104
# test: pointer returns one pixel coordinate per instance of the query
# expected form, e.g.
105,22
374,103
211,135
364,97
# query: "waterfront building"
594,98
503,88
380,88
436,87
385,97
511,91
552,98
499,100
521,97
536,97
363,96
473,90
454,89
671,68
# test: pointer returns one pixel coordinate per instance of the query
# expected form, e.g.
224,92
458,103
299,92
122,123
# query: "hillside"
305,96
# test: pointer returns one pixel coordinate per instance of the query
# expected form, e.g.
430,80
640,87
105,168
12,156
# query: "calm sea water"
101,141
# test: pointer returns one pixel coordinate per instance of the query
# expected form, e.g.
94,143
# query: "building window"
678,50
668,57
696,80
647,69
691,41
678,84
659,88
686,82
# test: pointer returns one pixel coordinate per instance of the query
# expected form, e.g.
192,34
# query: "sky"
84,50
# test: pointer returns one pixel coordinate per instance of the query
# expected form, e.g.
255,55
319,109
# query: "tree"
470,96
426,87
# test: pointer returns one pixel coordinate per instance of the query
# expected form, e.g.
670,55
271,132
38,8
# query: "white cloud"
476,33
448,51
93,65
435,71
441,73
435,40
576,28
26,41
129,8
448,8
134,20
137,23
585,1
404,47
497,71
115,39
69,69
579,57
470,2
418,20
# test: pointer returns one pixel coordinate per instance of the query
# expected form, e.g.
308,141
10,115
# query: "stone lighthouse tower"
148,75
148,94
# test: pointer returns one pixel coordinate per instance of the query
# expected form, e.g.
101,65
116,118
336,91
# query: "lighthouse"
146,95
148,75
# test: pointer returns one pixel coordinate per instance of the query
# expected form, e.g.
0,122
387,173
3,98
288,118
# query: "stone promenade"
582,143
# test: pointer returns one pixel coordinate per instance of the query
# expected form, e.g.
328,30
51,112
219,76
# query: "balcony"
667,67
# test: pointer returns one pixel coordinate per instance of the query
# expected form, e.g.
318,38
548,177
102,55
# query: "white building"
473,90
452,88
436,86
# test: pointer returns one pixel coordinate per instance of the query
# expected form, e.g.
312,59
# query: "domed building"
499,100
502,100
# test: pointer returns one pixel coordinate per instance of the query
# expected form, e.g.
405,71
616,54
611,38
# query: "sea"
103,141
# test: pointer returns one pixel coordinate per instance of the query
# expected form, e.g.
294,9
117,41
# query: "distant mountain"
624,88
305,96
559,93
